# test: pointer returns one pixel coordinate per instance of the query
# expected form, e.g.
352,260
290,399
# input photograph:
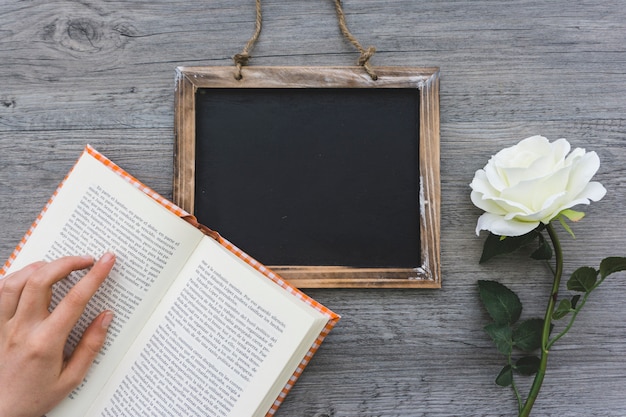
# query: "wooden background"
102,72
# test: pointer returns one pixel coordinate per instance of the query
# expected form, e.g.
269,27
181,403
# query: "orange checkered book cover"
332,318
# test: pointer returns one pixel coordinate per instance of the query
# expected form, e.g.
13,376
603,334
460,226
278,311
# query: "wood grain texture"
102,72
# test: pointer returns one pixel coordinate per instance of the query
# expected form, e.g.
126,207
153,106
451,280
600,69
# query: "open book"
200,328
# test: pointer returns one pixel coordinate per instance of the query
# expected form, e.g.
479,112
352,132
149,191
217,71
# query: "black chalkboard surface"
326,175
311,176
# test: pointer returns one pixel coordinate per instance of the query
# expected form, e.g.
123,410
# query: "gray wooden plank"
102,72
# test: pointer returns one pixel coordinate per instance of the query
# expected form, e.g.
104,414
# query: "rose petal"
499,226
518,174
481,184
535,193
493,176
560,149
486,204
583,169
507,205
594,191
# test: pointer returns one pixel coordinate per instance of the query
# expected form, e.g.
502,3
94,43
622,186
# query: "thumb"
87,349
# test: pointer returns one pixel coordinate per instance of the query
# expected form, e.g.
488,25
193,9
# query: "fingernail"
107,257
87,257
107,319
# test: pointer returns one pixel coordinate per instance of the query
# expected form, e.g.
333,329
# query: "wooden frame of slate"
328,176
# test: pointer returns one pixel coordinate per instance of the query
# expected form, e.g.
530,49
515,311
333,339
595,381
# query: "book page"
95,211
224,342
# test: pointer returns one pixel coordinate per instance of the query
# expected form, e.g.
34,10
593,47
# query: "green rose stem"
545,335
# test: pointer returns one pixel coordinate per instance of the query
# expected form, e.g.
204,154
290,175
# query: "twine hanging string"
366,54
243,57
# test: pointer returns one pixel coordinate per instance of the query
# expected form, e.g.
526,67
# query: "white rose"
531,183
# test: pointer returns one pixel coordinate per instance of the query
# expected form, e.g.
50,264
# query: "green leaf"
544,251
564,308
611,265
502,335
575,300
566,226
527,336
528,365
502,304
573,215
505,377
583,279
496,245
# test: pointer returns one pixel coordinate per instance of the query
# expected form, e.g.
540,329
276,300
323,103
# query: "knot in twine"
240,60
364,59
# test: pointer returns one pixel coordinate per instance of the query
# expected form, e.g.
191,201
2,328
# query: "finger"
11,288
71,307
86,351
36,294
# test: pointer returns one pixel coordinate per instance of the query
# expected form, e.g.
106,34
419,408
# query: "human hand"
34,374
